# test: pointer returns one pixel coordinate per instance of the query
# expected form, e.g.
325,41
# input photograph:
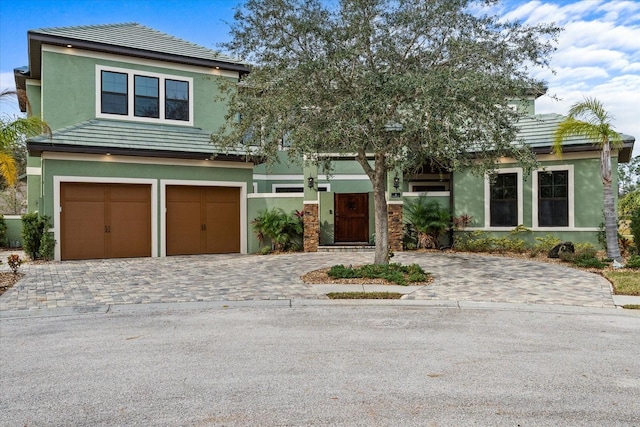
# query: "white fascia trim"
139,61
275,195
395,202
487,199
426,193
131,73
14,217
321,177
197,183
534,197
80,157
34,170
57,206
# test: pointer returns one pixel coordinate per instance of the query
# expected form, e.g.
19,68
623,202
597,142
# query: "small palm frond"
596,127
8,168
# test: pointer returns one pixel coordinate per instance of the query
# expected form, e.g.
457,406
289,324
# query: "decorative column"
311,237
394,216
394,210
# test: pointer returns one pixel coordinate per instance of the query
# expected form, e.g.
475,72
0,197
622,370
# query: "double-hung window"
144,96
146,102
114,93
504,200
553,198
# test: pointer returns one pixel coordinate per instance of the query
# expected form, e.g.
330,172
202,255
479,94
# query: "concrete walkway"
458,277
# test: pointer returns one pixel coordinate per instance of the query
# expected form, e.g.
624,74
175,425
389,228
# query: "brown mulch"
8,279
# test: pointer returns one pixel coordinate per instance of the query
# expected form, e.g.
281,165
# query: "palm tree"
596,127
13,130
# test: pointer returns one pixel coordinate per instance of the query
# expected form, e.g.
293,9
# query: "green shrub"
283,230
33,228
47,246
545,244
635,229
475,241
392,272
633,261
584,256
429,219
3,231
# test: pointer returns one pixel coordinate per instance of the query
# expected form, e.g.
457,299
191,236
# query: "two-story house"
129,169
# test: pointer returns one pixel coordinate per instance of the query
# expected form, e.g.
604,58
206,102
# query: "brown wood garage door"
105,220
202,220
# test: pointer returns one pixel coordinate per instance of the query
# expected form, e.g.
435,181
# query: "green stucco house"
130,170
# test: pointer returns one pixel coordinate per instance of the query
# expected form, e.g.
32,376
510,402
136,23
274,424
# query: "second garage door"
202,220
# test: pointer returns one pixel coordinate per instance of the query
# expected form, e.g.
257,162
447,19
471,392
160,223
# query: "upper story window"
146,101
114,93
144,96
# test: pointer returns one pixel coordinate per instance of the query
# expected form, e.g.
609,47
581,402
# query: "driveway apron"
457,277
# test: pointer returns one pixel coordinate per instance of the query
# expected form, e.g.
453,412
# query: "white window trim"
130,96
274,187
571,201
487,200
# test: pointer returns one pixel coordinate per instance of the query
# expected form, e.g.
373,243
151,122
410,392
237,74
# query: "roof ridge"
69,27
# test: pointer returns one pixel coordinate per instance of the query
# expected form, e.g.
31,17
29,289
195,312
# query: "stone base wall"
311,228
394,216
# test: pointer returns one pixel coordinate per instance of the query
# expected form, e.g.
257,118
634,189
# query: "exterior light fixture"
396,182
310,182
69,45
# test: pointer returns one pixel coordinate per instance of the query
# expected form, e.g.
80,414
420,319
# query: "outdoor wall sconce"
310,182
396,182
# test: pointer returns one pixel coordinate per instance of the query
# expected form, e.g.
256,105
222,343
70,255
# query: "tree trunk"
381,214
610,217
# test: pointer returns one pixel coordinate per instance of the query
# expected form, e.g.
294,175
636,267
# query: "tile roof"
102,136
135,36
538,131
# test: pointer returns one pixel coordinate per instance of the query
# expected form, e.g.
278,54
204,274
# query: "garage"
202,220
105,220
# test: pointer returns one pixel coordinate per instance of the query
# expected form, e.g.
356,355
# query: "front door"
352,218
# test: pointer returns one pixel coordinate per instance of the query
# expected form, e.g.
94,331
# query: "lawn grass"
364,295
624,282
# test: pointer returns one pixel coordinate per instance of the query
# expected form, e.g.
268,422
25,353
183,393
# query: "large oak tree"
398,83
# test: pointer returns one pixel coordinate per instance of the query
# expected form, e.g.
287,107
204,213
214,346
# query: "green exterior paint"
14,230
256,205
326,218
105,169
588,194
34,96
78,94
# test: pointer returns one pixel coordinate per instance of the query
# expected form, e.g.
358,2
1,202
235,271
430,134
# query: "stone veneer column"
394,216
311,237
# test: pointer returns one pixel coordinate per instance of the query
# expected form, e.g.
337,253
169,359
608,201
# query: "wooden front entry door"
351,218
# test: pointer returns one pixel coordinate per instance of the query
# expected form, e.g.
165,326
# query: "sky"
598,52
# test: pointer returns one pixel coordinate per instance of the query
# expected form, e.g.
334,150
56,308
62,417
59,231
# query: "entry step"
347,248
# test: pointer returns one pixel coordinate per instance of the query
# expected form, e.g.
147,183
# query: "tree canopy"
400,82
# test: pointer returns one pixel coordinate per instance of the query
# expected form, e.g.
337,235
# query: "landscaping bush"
429,219
395,273
34,227
633,262
3,231
47,246
635,229
545,244
283,230
585,256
